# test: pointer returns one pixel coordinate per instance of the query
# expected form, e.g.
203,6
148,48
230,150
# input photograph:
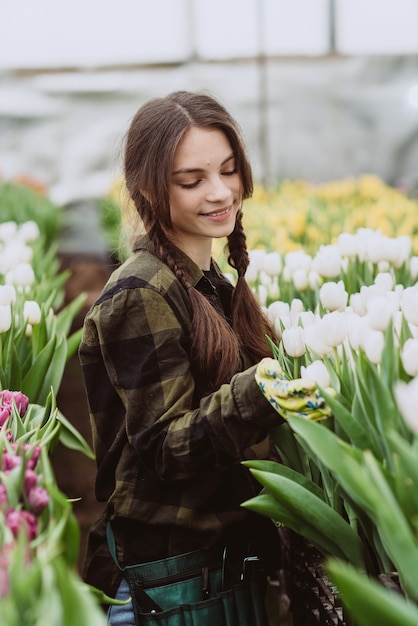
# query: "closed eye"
190,185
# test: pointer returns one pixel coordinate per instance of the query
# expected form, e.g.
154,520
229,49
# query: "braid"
248,320
238,256
215,348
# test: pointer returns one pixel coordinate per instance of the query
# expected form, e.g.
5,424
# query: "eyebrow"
193,170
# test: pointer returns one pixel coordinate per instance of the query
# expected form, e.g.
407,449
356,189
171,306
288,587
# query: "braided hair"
152,139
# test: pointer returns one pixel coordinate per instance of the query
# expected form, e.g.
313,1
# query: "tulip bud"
409,357
300,279
272,264
406,396
372,344
38,499
31,312
333,296
5,318
332,329
22,275
294,341
317,372
7,295
328,262
409,304
29,231
413,267
380,311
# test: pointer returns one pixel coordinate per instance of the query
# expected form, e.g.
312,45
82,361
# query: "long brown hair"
151,142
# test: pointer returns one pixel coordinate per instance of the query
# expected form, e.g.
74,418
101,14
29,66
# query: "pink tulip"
30,481
8,397
5,411
15,520
10,461
4,498
38,499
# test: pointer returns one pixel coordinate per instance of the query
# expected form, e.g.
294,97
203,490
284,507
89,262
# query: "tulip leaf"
34,379
71,438
352,427
282,470
289,449
55,371
320,515
269,506
367,601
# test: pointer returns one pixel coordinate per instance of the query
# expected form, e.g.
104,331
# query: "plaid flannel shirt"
168,452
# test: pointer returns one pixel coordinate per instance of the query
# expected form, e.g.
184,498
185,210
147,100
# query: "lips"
219,212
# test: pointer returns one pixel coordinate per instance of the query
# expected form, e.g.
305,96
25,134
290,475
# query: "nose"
218,190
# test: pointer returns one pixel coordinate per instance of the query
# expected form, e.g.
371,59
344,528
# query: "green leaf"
282,470
71,438
367,601
265,504
34,379
320,515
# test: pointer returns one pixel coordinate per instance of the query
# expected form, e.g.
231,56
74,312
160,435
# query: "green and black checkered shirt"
168,452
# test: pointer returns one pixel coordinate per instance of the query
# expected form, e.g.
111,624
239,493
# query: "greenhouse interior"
323,95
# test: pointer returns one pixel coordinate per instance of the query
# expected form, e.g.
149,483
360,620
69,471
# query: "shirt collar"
196,273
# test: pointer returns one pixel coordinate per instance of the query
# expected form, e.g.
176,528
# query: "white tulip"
28,330
317,372
294,341
306,318
15,252
357,326
315,342
300,279
8,230
384,281
333,328
262,294
32,312
347,245
357,304
5,317
7,294
22,275
400,250
314,279
256,263
413,266
328,262
406,396
409,304
409,357
372,344
296,306
272,263
278,309
333,296
297,259
251,273
380,312
29,231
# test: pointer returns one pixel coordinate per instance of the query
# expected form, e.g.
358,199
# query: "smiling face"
205,193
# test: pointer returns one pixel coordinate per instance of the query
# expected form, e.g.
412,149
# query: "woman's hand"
291,397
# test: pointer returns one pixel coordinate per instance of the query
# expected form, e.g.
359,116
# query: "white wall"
94,33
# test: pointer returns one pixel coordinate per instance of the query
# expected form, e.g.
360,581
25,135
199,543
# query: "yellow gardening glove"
291,397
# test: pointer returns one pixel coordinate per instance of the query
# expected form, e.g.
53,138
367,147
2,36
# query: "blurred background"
323,89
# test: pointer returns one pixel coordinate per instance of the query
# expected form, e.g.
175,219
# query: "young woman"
169,353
